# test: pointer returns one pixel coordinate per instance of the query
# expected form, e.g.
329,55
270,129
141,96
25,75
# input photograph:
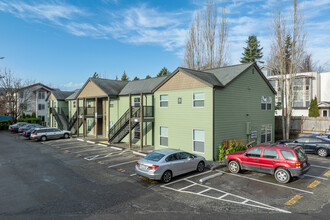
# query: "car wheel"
282,175
200,166
66,136
43,138
167,176
234,166
322,152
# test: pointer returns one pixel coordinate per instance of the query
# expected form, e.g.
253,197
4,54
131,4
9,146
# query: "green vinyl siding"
182,119
239,103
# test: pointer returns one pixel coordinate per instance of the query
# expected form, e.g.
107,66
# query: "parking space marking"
266,182
58,147
320,166
245,201
134,174
79,155
103,145
318,177
146,179
327,173
293,200
121,170
88,150
91,142
116,165
314,184
78,139
67,151
80,146
100,162
116,148
100,156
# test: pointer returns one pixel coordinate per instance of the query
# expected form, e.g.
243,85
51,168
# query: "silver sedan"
165,164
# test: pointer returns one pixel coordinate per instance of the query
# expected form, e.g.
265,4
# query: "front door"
250,161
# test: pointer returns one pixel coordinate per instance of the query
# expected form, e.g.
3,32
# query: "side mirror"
295,141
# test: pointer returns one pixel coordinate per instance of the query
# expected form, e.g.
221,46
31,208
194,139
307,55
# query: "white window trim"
197,152
163,136
111,101
325,110
163,101
266,133
197,100
271,103
136,102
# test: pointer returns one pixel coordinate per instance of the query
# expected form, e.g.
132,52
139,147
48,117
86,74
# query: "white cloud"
71,86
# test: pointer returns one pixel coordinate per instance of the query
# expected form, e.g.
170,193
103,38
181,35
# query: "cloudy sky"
63,42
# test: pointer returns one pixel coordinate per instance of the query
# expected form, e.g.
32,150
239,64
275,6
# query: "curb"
218,166
138,153
203,180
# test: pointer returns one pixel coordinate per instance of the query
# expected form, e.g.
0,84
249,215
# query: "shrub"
33,115
313,108
30,120
234,146
23,115
5,124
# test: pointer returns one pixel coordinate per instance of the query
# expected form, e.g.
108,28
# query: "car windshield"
301,154
154,156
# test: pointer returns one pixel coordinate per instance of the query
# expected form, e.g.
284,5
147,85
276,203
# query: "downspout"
213,120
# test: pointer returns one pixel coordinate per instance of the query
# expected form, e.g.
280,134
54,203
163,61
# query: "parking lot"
244,192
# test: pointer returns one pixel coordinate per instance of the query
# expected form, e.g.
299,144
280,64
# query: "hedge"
30,120
5,124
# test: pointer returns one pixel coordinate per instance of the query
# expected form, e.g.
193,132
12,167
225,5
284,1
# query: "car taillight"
297,165
34,133
153,167
137,163
26,132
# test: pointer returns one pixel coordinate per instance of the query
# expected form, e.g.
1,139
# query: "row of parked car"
284,160
38,132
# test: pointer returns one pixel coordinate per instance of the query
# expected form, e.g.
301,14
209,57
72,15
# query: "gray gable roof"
206,77
74,95
61,95
228,73
110,87
142,86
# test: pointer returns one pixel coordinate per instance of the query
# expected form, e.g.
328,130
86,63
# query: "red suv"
282,161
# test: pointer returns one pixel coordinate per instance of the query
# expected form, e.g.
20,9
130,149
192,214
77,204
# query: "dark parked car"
282,161
28,127
311,144
28,133
15,127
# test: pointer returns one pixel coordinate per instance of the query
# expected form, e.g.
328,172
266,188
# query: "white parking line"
116,165
78,139
134,174
270,183
59,140
245,201
88,150
112,154
320,166
73,147
322,178
65,143
104,145
91,142
116,148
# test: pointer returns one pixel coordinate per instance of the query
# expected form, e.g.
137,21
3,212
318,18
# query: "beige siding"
52,97
182,81
91,90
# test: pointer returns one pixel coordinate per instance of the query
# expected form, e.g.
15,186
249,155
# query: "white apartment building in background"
306,86
33,98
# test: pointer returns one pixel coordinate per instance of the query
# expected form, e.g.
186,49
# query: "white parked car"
49,133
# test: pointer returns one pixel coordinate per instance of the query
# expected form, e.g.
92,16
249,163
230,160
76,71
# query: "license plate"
143,167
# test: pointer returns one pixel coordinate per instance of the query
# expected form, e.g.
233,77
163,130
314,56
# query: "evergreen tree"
252,53
163,72
313,108
124,77
136,78
96,75
148,77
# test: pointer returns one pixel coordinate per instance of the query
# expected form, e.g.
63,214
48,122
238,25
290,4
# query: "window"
172,157
302,140
198,140
288,155
163,136
315,140
89,103
112,103
184,155
89,125
137,132
266,133
41,95
266,103
74,104
136,102
270,153
307,92
41,106
273,83
255,152
198,99
111,124
325,113
163,101
154,156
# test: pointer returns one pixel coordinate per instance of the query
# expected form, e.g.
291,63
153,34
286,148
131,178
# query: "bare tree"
15,96
223,35
206,40
309,65
286,62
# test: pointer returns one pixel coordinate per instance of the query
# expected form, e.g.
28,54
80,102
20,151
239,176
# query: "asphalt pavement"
69,179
